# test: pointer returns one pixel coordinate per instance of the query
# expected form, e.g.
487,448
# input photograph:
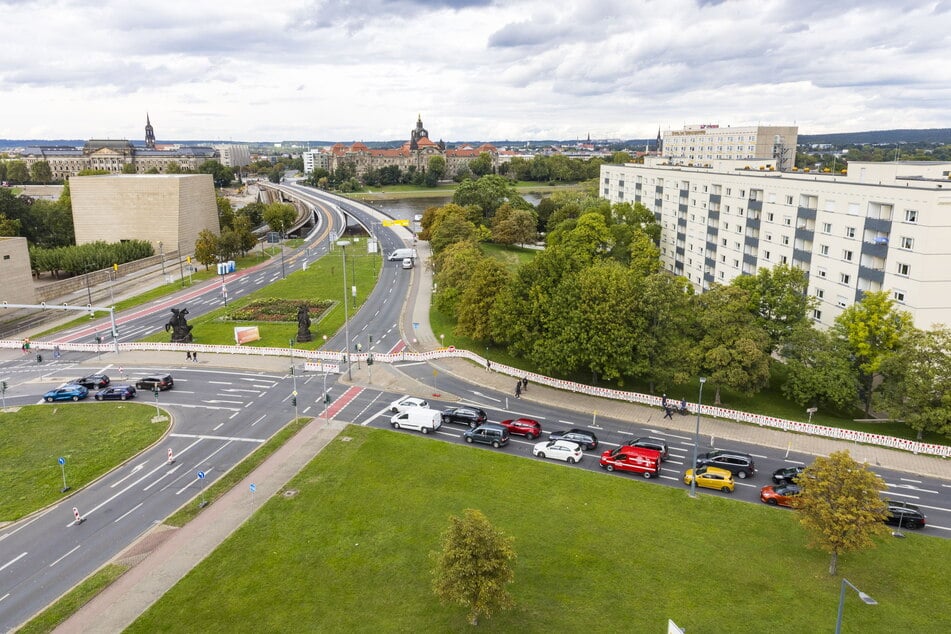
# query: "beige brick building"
17,286
166,209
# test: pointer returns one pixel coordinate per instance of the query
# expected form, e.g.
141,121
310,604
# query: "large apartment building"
701,144
881,226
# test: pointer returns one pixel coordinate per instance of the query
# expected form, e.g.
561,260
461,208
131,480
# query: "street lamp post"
343,244
696,441
865,599
162,252
294,376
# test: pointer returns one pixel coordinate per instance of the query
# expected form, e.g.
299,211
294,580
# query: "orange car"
781,494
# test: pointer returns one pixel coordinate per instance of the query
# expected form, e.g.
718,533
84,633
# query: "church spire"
149,133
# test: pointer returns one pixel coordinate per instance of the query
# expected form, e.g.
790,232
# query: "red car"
781,494
634,459
527,427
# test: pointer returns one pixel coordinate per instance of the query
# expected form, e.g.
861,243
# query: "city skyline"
474,69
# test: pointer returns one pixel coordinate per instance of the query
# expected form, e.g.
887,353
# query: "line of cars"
713,470
78,389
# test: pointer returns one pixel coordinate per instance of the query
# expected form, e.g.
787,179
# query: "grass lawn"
511,256
93,437
351,552
323,279
72,601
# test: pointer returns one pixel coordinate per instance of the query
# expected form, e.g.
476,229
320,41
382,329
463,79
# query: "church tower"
660,142
417,134
149,133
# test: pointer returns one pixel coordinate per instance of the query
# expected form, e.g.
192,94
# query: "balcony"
680,252
754,205
751,241
749,258
708,278
872,275
681,221
806,213
715,198
804,234
710,263
877,224
711,246
684,194
877,249
801,255
752,223
713,215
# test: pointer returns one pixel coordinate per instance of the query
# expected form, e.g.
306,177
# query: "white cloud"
475,69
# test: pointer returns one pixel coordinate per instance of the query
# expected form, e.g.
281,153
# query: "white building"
234,155
702,144
882,226
316,159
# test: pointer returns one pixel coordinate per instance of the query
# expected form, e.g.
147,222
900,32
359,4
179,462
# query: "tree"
873,328
474,567
819,369
916,381
229,244
488,194
17,172
436,166
478,298
221,175
242,227
779,298
254,212
206,248
732,348
173,168
280,216
840,505
513,226
481,165
40,172
225,212
129,168
8,227
621,157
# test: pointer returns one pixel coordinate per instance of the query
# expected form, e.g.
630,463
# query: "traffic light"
98,338
294,401
292,370
326,397
3,386
370,359
155,391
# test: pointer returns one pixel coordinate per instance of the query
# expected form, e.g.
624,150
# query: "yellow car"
711,478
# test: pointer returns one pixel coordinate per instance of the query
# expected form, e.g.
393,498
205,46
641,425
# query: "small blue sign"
201,475
415,325
253,488
62,461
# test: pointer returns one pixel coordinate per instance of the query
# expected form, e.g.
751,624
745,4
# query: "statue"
181,331
303,324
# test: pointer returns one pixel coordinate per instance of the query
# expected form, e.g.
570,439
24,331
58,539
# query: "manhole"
289,493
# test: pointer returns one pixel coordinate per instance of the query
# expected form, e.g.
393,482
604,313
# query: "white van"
399,254
424,420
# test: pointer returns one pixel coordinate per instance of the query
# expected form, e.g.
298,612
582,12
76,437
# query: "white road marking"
13,561
756,455
258,420
167,473
116,521
135,470
481,395
217,427
223,401
744,484
666,477
197,479
795,461
238,389
4,596
910,480
233,415
943,528
909,486
228,438
901,495
227,409
65,556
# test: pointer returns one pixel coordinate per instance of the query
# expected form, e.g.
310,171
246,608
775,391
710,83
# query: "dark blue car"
66,393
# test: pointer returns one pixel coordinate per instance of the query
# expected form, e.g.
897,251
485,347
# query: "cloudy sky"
474,69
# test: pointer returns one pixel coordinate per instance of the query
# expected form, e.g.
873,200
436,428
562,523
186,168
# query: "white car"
559,449
407,403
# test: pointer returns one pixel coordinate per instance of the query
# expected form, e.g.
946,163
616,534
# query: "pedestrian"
683,406
188,355
488,365
524,383
518,389
668,412
663,401
56,352
195,356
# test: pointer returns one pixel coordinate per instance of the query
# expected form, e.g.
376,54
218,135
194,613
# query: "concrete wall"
16,277
162,208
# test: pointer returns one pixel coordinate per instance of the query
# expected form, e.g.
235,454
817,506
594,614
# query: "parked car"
116,393
781,494
583,437
407,263
633,459
787,474
651,443
69,392
905,515
155,382
527,427
471,416
418,418
738,463
488,434
408,402
565,450
711,478
93,381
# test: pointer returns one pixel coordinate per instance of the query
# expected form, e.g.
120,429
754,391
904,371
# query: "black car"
471,416
92,382
583,437
738,463
116,393
156,382
650,443
905,516
488,434
786,474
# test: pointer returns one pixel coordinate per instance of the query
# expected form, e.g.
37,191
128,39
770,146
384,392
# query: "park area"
347,547
92,438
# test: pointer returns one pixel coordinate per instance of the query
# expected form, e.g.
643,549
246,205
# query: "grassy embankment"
351,552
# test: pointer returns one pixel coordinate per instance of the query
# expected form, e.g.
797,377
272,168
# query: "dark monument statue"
181,331
303,325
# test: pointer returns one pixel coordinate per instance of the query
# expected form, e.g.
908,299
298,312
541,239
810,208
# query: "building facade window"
899,296
847,255
904,269
824,249
850,232
845,278
911,215
907,243
826,227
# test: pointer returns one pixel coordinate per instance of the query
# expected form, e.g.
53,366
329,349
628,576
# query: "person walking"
188,355
195,356
524,383
668,412
518,389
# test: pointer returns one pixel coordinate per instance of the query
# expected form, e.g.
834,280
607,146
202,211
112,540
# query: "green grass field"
93,437
596,551
323,279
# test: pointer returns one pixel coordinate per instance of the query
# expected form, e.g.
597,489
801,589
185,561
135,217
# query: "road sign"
171,456
253,488
61,461
201,475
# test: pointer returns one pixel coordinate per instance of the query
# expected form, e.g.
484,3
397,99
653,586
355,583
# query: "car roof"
716,470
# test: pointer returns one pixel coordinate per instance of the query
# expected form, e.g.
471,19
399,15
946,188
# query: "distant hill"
880,137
